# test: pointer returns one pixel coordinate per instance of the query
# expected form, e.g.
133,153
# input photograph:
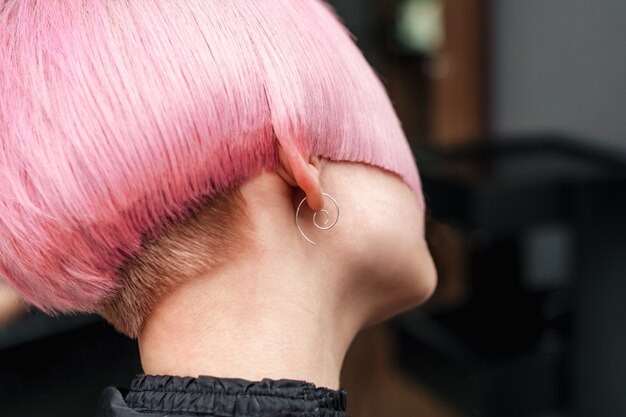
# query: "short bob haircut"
127,126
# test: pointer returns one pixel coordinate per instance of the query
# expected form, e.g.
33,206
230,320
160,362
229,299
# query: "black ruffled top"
152,396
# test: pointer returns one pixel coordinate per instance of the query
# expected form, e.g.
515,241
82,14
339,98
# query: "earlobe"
298,172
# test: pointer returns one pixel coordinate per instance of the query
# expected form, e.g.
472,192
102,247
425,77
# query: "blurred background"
514,112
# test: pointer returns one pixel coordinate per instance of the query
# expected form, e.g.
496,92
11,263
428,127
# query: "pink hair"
119,117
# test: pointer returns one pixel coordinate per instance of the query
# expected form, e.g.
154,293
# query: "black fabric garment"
152,396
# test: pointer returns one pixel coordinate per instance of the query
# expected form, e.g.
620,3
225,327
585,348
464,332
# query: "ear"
302,173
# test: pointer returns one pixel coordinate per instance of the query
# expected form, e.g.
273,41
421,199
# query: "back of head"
127,126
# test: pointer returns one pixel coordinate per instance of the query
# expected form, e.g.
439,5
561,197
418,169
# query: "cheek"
380,239
396,256
406,263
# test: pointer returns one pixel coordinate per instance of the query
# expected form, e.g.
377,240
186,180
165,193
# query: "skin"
11,305
285,308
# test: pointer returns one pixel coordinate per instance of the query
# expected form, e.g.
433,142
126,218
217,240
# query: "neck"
267,316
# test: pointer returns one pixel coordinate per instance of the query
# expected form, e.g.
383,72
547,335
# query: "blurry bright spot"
420,25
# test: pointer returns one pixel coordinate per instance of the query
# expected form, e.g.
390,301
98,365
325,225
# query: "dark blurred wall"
558,65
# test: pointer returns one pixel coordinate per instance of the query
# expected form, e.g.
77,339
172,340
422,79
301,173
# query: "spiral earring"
325,220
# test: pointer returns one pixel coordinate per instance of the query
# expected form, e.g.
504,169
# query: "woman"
225,181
